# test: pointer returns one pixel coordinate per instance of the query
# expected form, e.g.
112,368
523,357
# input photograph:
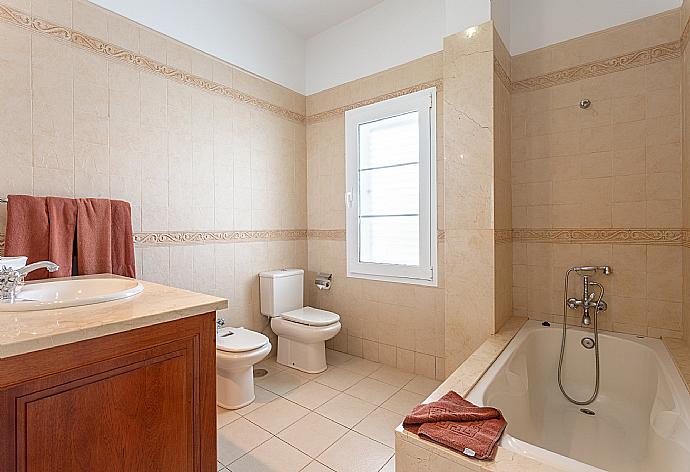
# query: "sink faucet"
11,279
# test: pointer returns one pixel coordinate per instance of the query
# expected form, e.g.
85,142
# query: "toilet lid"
311,316
239,340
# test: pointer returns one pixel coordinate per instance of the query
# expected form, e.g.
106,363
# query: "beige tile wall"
399,325
685,93
615,165
77,124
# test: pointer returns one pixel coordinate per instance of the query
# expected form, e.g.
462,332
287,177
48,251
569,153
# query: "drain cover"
587,411
260,373
588,343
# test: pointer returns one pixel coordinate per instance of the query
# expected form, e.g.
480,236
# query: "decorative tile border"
502,75
675,237
661,52
685,36
112,51
326,234
173,238
335,112
211,237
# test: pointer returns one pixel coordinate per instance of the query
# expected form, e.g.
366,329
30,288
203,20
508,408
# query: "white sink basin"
50,295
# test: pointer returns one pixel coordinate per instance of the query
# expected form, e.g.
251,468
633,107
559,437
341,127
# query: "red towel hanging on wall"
45,227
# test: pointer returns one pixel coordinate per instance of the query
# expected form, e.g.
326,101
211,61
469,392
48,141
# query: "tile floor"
340,420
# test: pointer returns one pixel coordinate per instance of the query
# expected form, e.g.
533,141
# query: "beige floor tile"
390,465
337,358
263,397
372,390
403,402
271,365
313,434
272,456
362,366
315,466
281,382
356,453
219,466
277,415
422,385
392,376
224,417
380,426
311,395
339,378
346,410
307,375
238,438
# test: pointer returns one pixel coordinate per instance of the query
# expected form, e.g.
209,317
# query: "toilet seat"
239,340
311,316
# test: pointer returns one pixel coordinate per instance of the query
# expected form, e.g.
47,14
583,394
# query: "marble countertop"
28,331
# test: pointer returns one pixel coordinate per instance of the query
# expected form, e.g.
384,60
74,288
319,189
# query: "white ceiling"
307,18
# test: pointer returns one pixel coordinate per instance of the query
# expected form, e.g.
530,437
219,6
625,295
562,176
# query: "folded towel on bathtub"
458,424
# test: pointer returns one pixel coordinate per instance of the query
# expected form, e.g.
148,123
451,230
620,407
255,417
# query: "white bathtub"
642,420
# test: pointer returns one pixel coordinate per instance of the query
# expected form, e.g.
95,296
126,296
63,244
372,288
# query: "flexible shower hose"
596,344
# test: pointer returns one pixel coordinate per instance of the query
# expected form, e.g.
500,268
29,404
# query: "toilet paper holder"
323,281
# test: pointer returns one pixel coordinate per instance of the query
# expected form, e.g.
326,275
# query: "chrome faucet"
588,301
220,322
12,279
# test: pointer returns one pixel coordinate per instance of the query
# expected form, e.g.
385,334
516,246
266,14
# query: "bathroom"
556,135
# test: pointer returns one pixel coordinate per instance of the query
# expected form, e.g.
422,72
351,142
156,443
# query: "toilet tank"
281,291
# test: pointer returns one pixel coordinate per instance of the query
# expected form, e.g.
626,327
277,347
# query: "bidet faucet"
12,279
220,322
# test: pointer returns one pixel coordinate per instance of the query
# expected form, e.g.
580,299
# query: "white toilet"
302,331
237,350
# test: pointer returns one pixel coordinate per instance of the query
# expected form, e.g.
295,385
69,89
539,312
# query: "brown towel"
122,240
458,424
27,232
62,215
104,237
44,228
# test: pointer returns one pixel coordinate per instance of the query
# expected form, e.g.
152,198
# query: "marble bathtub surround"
413,453
35,330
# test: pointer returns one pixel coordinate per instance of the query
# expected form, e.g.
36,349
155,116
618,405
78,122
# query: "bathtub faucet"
588,298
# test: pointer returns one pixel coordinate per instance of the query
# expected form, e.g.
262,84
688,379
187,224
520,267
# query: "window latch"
348,199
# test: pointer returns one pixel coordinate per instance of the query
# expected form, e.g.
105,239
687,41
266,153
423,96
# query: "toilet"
237,350
302,331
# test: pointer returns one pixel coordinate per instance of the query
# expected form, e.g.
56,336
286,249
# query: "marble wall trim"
335,112
339,234
675,237
642,57
115,52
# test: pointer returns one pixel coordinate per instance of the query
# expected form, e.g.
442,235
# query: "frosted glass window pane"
390,141
390,240
390,190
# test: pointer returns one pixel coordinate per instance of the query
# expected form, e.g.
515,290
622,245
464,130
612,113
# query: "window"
391,189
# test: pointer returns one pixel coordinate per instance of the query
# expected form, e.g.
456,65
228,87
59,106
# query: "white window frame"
423,102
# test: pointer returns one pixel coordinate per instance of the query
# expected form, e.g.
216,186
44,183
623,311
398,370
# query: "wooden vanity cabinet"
137,401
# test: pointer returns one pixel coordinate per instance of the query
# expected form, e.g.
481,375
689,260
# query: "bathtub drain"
587,411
